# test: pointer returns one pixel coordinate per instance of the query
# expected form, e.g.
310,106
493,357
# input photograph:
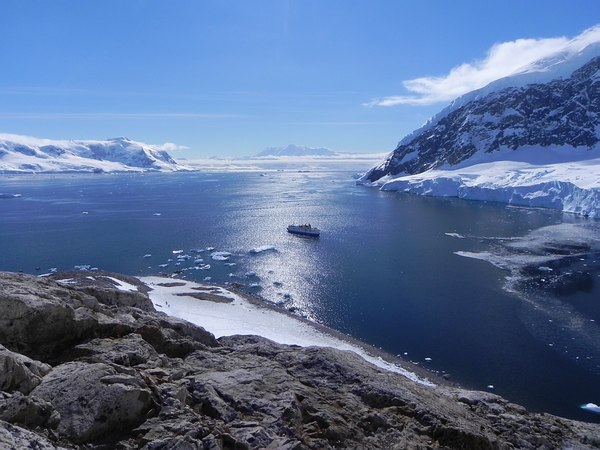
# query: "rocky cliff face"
559,113
86,366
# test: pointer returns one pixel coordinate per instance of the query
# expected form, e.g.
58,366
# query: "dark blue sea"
498,298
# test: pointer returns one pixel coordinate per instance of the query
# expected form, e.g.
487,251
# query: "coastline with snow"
227,312
567,181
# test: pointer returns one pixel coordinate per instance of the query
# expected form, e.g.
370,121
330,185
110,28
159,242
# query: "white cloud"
503,59
169,147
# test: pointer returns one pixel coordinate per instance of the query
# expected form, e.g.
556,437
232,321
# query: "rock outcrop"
81,370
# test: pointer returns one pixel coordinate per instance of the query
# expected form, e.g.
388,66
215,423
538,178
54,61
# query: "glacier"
569,186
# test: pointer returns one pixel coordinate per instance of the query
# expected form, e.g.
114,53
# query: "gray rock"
129,350
28,410
20,373
30,310
91,403
16,438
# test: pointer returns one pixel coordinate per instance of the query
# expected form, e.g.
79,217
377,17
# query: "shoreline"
224,318
377,352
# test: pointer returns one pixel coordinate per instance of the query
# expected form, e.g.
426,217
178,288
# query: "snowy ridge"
557,67
24,154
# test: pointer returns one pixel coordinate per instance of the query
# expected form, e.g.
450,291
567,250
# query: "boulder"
20,373
40,318
94,400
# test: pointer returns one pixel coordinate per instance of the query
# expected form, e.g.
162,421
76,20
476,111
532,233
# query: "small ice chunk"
85,213
262,248
250,274
230,264
83,267
209,249
157,214
207,278
591,407
163,265
147,255
220,256
455,235
428,359
177,252
490,386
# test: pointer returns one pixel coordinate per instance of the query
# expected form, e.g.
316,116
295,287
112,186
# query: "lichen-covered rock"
94,399
20,373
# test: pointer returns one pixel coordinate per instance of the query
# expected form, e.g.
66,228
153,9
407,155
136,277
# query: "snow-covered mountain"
545,120
295,150
24,154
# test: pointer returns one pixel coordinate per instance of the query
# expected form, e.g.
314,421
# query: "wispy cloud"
115,116
169,147
503,59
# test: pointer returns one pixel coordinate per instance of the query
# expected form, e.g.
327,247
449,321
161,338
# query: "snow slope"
24,154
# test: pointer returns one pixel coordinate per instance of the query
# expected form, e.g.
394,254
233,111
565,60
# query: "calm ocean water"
492,295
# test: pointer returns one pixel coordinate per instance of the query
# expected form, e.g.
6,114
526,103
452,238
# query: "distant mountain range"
295,150
24,154
546,115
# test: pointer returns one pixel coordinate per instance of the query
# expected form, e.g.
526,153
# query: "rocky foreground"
91,366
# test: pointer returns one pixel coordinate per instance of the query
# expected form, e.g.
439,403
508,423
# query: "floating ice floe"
83,267
209,249
591,407
261,249
250,274
455,235
85,213
147,255
220,256
230,264
177,252
157,214
163,265
207,278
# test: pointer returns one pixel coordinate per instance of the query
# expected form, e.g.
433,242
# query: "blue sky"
233,77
